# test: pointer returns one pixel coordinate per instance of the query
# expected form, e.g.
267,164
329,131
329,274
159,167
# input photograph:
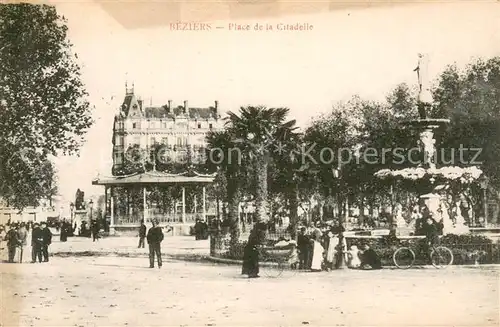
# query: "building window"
164,140
134,125
153,140
210,126
199,125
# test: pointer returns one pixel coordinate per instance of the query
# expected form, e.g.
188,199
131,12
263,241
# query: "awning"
155,178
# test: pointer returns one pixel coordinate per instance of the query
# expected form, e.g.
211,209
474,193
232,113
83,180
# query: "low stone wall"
465,248
219,244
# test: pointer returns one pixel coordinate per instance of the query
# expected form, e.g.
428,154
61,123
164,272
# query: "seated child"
353,257
370,259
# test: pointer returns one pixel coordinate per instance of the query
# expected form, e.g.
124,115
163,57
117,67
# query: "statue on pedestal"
398,216
445,217
79,200
427,146
460,226
424,94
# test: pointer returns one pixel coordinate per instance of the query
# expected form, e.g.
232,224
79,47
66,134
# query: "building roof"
126,103
163,112
155,178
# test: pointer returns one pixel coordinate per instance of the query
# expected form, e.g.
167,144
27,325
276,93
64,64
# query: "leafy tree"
470,98
42,101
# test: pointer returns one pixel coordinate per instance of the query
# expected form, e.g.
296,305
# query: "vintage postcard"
249,163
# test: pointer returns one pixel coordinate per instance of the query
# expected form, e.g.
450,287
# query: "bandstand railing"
163,218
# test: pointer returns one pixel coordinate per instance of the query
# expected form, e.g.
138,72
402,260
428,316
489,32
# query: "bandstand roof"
155,178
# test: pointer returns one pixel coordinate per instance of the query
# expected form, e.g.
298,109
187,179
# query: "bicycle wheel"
273,269
403,258
441,257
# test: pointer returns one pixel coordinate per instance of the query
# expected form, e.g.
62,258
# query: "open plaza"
163,165
109,283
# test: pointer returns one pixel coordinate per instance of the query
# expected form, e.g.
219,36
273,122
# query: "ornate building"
165,134
180,130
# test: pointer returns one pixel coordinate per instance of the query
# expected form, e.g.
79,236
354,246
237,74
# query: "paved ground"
127,246
121,291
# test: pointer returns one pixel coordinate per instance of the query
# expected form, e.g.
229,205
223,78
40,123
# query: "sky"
365,52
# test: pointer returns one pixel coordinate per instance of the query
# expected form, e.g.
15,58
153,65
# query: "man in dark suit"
142,234
303,244
13,241
155,237
47,240
36,243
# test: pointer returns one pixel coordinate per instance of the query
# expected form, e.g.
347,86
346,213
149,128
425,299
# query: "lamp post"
91,203
341,264
483,182
71,208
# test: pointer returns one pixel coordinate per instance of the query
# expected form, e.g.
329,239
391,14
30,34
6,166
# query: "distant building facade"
180,130
43,212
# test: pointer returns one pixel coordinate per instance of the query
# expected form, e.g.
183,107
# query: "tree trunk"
234,226
361,218
262,207
233,202
294,206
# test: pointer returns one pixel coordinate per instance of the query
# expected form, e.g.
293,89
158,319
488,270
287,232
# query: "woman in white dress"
317,258
331,253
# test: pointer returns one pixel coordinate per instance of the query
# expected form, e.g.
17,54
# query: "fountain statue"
435,178
399,219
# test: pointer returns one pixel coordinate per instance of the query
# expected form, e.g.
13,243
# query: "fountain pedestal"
426,170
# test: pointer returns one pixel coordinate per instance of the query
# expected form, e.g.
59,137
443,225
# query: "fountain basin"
464,174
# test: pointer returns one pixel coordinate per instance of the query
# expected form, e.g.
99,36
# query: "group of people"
317,248
200,230
90,231
16,238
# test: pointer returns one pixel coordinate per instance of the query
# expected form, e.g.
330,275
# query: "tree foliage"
43,106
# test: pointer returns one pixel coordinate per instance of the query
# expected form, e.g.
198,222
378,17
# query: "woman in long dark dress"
251,251
64,231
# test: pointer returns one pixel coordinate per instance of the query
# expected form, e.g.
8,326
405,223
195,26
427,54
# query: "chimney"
169,106
186,108
216,108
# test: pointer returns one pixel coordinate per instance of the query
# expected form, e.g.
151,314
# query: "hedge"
466,248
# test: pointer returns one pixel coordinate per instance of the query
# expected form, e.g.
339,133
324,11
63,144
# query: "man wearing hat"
12,238
36,243
155,237
47,240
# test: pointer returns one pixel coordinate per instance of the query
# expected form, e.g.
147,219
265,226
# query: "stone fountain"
436,199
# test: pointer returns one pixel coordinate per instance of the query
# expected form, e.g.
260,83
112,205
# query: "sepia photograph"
249,163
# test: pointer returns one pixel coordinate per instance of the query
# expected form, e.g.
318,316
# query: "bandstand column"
112,211
144,203
105,202
183,217
204,204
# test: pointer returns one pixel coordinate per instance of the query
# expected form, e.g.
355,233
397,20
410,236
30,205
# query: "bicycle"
275,261
441,257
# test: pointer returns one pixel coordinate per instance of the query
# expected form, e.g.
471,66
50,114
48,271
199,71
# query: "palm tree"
223,155
259,130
